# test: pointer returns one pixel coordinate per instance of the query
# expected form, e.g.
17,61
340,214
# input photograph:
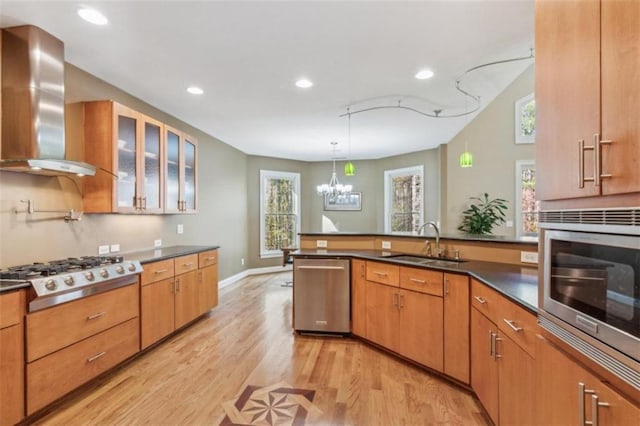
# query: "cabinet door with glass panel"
181,164
127,148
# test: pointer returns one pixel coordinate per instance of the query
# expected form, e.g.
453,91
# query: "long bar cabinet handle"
96,315
491,344
495,346
211,258
446,286
401,301
595,406
395,300
581,163
511,324
95,357
380,274
187,264
417,280
160,271
480,300
582,391
598,146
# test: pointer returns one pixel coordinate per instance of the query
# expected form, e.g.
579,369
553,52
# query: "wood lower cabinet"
516,383
208,280
358,297
187,307
420,328
156,311
566,390
484,368
69,344
12,306
382,315
456,327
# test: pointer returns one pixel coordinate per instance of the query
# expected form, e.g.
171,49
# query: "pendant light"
466,158
334,188
349,168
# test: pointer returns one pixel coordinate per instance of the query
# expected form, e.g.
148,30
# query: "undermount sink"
433,261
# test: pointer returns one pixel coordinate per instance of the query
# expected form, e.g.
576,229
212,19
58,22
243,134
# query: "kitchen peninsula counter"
518,283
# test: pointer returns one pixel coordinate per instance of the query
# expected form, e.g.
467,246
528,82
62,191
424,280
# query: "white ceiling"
247,55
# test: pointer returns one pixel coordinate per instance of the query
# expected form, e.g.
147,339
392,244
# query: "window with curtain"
526,204
279,211
403,194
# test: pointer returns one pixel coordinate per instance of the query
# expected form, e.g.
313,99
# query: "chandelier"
334,189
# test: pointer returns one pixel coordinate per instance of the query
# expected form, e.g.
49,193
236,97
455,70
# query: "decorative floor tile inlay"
278,404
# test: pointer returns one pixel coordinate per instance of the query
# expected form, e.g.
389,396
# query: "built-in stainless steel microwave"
590,293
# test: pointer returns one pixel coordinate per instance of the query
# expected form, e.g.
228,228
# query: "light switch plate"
180,228
115,248
528,257
103,249
386,245
321,243
157,243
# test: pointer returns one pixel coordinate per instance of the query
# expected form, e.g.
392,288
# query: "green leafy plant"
482,215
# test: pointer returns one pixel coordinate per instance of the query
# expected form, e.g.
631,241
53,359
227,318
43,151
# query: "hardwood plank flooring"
242,364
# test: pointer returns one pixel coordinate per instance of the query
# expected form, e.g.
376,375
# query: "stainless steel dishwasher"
321,295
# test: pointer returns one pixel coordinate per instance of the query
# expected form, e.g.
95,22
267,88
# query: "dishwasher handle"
325,268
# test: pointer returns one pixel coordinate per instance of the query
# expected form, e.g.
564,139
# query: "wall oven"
590,292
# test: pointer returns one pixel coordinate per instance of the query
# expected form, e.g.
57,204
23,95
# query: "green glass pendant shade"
349,169
466,159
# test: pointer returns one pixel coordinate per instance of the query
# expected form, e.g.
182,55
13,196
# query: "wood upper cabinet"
456,326
587,89
12,305
358,297
127,147
181,167
567,390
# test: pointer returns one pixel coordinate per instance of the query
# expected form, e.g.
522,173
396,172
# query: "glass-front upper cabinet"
181,181
127,148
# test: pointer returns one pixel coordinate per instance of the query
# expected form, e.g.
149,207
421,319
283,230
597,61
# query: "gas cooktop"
55,267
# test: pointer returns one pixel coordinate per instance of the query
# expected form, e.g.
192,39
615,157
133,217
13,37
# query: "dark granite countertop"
9,285
517,283
163,253
482,238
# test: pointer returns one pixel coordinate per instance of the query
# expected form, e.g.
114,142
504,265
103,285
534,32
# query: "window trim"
518,204
295,177
388,175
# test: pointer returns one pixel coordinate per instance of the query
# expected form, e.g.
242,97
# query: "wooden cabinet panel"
618,410
358,297
420,329
484,368
186,263
12,305
207,258
156,311
382,315
157,271
486,300
11,375
520,325
383,273
187,307
456,326
422,280
52,329
57,374
208,287
516,384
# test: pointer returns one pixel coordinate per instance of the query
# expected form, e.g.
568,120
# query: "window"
403,205
526,204
526,119
279,211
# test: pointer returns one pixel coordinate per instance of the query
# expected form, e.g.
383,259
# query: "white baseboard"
255,271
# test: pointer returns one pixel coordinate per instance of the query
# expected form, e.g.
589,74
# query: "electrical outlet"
180,228
386,245
528,257
509,224
115,248
103,249
157,243
242,261
321,243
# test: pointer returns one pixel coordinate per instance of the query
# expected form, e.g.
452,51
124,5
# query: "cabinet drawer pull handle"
446,286
211,258
491,344
582,391
395,300
595,405
95,357
380,274
511,324
480,299
160,271
416,280
598,154
495,346
96,315
402,301
187,264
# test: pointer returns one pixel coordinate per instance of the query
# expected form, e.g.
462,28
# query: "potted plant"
482,215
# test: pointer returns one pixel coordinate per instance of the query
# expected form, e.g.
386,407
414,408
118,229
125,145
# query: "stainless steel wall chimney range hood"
33,104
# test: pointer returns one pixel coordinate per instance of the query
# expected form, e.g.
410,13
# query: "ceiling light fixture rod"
437,112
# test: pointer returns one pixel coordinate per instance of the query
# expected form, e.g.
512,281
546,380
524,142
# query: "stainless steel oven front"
590,293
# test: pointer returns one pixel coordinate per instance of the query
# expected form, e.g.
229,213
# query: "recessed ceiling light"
194,90
424,74
93,16
304,83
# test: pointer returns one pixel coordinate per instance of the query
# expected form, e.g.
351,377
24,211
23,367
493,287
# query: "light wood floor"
246,344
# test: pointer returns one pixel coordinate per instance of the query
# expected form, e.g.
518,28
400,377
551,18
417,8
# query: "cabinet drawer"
63,325
53,376
383,273
422,280
207,258
157,271
186,263
486,300
518,324
12,306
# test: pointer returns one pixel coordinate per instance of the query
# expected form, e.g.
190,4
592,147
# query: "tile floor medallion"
278,404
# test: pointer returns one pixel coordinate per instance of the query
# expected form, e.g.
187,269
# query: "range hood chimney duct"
33,104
